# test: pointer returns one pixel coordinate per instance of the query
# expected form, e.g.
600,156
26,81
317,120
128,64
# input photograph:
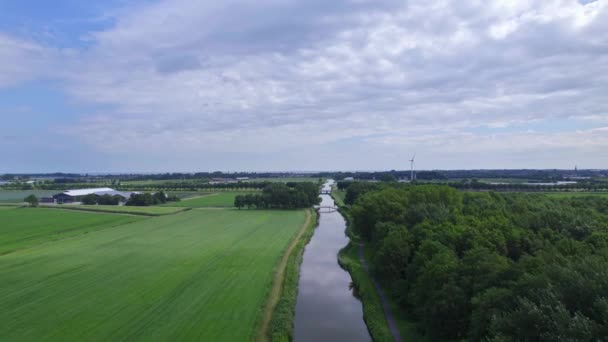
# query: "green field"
222,199
26,227
163,181
6,207
17,196
147,211
188,194
576,194
285,179
201,275
338,196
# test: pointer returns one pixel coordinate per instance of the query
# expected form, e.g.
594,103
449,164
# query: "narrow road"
392,326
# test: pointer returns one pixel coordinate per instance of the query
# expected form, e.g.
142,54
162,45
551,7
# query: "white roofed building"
76,195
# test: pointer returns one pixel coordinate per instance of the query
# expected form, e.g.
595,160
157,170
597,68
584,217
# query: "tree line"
93,199
281,196
489,266
148,199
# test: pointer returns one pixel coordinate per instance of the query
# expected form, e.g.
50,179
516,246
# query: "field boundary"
116,212
198,196
279,310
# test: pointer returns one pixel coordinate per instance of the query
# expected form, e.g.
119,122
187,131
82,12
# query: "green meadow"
201,275
284,179
17,196
26,227
576,194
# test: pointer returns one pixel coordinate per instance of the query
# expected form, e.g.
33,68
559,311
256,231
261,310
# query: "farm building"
76,195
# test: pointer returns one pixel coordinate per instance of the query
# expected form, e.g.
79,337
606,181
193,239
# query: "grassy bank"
282,322
338,196
373,313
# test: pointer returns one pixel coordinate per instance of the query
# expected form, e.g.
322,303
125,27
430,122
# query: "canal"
326,309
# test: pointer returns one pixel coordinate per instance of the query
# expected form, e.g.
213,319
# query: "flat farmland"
26,227
221,199
200,275
576,194
17,196
285,179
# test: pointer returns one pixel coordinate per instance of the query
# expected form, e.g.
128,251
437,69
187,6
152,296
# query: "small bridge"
325,192
326,208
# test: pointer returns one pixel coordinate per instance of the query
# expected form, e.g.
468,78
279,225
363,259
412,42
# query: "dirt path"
392,326
277,284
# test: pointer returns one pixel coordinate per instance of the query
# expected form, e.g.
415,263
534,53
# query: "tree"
239,201
388,177
89,199
160,197
108,200
489,266
32,200
278,195
145,199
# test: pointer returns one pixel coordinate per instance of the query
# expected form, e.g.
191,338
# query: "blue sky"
184,85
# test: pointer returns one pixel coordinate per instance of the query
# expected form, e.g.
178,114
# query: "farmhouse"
76,195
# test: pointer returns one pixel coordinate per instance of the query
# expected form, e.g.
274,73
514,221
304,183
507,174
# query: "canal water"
326,309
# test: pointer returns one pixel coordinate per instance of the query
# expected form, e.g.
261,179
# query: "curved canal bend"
326,309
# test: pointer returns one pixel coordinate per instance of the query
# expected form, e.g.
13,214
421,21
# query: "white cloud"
22,60
243,75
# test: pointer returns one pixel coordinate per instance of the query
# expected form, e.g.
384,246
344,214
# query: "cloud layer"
462,80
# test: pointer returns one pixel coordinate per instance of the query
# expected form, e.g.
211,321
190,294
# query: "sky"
234,85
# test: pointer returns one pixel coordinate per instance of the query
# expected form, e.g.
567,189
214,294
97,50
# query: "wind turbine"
412,166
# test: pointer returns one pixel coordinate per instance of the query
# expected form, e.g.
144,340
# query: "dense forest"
281,196
486,266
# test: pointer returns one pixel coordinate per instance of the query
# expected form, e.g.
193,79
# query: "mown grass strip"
114,209
281,326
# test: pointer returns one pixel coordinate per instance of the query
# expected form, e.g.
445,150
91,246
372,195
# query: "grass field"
338,196
26,227
163,181
146,211
576,194
285,179
6,207
222,199
201,275
17,196
188,194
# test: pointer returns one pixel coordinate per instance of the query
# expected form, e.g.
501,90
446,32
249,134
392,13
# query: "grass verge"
281,327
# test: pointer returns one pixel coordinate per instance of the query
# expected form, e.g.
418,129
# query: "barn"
76,195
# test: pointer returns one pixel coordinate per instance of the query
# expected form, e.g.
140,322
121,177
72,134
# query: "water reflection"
326,309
